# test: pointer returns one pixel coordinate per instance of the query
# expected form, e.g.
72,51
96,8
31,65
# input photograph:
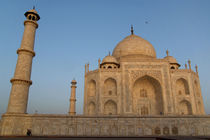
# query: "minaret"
21,81
72,108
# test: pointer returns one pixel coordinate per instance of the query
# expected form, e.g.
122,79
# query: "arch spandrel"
110,78
135,75
156,81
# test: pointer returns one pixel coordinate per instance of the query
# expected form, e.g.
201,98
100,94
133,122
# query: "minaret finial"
167,52
34,4
196,68
109,53
99,63
132,29
189,63
185,66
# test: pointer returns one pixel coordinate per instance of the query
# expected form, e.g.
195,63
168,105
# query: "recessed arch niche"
91,108
182,87
91,88
110,108
175,130
110,87
185,108
153,98
157,130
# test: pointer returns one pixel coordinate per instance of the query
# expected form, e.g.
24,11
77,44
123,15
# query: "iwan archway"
147,96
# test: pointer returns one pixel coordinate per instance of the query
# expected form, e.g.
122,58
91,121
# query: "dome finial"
132,29
109,53
167,52
34,4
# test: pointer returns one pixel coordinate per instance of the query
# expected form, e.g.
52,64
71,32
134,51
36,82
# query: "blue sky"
74,32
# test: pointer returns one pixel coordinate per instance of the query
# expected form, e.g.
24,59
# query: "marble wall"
16,124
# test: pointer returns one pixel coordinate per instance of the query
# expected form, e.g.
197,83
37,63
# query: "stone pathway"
103,138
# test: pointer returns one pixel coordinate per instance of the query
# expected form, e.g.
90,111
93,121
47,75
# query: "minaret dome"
32,15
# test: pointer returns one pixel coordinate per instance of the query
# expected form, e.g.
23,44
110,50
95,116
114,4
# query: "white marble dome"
134,45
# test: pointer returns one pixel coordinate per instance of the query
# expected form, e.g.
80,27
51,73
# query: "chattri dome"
170,59
109,59
73,81
32,11
134,45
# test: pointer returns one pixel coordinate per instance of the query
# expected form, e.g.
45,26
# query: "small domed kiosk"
173,63
109,62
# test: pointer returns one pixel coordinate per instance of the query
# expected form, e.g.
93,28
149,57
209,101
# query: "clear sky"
72,33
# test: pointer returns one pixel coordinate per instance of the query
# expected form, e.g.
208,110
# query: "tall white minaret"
72,108
21,81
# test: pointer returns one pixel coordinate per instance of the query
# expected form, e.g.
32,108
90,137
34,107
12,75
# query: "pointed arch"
92,88
29,17
110,108
175,130
147,92
166,131
109,67
33,18
144,110
91,108
157,130
185,108
182,87
110,87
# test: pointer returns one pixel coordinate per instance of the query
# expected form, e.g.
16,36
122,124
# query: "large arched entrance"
147,95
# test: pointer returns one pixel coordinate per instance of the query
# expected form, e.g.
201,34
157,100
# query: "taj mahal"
131,93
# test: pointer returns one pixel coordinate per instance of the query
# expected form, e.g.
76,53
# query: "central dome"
134,45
